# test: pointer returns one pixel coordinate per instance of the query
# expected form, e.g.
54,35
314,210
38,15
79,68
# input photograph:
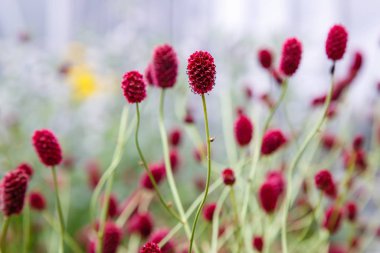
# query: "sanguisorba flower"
37,201
258,243
28,170
208,211
201,72
336,42
291,56
332,219
158,173
158,235
141,223
243,129
175,137
47,147
273,140
12,192
265,58
134,87
149,75
112,239
228,176
150,247
269,196
164,66
351,211
324,181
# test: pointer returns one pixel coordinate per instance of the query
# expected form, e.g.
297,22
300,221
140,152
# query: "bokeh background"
61,63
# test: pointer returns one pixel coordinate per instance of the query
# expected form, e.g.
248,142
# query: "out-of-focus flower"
83,81
258,243
164,66
243,129
208,211
291,56
332,219
228,176
157,236
336,42
12,192
150,247
273,140
158,173
26,168
140,223
47,147
37,201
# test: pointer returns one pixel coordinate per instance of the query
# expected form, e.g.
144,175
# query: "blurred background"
61,63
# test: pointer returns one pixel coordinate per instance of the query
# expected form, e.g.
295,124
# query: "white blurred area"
189,25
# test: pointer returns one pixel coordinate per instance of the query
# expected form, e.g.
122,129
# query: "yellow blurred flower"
83,82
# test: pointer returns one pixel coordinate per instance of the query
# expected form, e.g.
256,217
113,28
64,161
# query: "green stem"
145,165
208,173
70,241
168,168
294,163
103,215
59,208
3,234
26,227
114,163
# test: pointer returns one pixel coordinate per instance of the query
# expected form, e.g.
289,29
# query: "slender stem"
68,239
59,208
145,165
208,173
26,228
168,168
3,234
121,139
294,163
103,215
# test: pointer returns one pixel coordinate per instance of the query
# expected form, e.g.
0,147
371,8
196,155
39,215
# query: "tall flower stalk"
201,72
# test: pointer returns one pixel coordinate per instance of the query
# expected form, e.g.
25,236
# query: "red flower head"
157,236
208,211
175,137
329,141
158,172
351,211
325,182
112,238
248,91
272,141
93,173
291,56
12,192
175,160
276,178
357,62
140,223
228,176
150,247
337,249
269,196
134,87
27,169
47,147
243,130
201,72
333,219
265,58
358,142
199,153
336,42
37,201
149,75
113,206
258,243
164,66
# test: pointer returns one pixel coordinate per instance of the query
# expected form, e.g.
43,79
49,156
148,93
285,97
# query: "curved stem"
298,156
26,227
256,156
3,234
208,173
59,208
68,239
145,165
168,168
114,163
